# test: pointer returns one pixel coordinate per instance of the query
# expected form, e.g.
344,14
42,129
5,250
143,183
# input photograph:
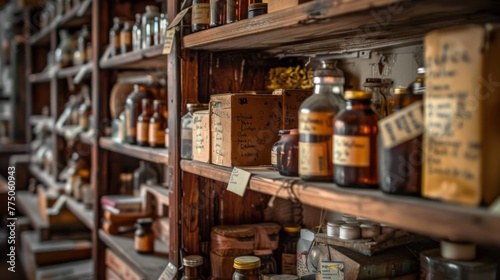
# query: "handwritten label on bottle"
238,181
316,123
200,13
351,150
315,145
402,126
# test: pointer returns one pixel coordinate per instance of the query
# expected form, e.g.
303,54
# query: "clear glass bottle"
126,37
144,241
268,263
187,129
64,52
145,173
355,142
157,125
316,123
288,249
162,29
247,268
200,15
143,122
137,33
192,267
274,149
418,86
147,24
217,12
114,36
79,56
85,110
133,107
288,154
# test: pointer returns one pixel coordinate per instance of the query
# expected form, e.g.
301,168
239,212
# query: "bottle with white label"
355,142
316,123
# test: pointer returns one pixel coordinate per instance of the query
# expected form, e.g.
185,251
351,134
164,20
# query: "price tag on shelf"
169,272
238,181
169,41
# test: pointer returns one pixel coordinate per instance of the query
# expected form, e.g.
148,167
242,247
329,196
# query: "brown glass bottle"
355,142
288,154
236,10
126,37
143,122
200,15
158,124
192,267
133,107
144,241
217,12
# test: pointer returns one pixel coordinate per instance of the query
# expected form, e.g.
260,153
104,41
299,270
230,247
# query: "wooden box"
461,138
201,136
243,128
277,5
291,101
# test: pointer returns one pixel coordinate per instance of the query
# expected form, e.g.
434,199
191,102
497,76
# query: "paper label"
351,150
288,264
316,123
125,38
238,181
142,132
274,158
156,134
169,41
402,126
315,159
169,273
331,270
200,13
187,134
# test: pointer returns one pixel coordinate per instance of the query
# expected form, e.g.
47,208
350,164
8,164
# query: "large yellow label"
351,150
315,159
201,13
316,123
142,132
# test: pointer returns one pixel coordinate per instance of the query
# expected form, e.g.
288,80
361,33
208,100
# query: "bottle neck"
358,104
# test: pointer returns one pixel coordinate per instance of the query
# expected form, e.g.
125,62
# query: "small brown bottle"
355,142
143,122
158,124
200,15
133,108
126,37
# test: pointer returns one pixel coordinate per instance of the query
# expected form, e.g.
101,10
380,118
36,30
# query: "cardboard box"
201,136
461,138
291,101
244,128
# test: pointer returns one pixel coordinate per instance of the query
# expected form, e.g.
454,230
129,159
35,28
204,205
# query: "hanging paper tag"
178,18
169,41
331,270
238,181
402,125
169,272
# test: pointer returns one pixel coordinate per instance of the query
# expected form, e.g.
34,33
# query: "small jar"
355,157
143,122
333,228
157,125
288,154
274,149
268,263
217,12
349,231
187,129
144,236
126,37
247,268
257,9
192,267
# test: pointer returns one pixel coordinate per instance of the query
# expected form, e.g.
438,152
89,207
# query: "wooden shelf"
82,136
332,27
71,71
150,58
78,16
46,179
14,148
158,155
85,215
42,77
149,266
28,204
432,218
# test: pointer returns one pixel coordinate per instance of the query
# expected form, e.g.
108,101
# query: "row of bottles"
149,29
207,14
73,49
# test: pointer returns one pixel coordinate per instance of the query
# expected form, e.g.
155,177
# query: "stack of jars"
147,30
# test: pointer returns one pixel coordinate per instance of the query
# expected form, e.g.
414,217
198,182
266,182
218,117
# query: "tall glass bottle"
126,37
114,36
158,124
192,265
200,15
133,106
143,122
187,129
147,24
137,33
316,123
145,173
355,142
162,29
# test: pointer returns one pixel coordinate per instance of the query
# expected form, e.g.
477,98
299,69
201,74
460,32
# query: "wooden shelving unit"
158,155
150,58
85,215
150,266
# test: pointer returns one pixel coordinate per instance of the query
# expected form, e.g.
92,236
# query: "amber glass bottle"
126,37
158,124
316,124
355,142
143,122
200,15
133,107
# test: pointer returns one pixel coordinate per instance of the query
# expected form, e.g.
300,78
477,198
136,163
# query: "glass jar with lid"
187,129
316,123
148,26
192,267
247,268
355,142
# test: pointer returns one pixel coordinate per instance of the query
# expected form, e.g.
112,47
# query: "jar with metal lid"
192,267
144,241
247,268
274,149
288,154
355,142
268,263
187,129
257,9
288,249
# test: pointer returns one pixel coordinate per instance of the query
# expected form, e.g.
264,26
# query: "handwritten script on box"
238,181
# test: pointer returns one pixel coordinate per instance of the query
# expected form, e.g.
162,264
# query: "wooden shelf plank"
150,58
70,71
83,137
85,215
14,148
42,77
149,265
158,155
432,218
46,179
333,26
27,203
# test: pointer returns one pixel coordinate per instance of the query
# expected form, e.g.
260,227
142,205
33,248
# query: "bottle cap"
292,228
246,262
193,260
357,94
421,70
